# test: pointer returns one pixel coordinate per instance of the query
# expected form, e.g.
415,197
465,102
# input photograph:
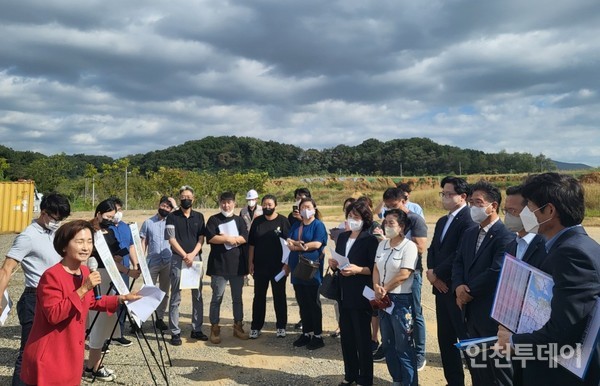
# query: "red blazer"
55,350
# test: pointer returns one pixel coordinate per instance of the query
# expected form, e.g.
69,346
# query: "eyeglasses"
513,212
57,219
447,194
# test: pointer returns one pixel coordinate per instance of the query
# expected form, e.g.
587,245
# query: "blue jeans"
26,313
396,337
419,332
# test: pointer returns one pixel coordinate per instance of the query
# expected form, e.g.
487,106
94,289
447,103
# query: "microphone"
93,266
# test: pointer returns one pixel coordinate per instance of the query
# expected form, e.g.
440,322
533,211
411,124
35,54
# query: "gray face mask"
513,223
479,214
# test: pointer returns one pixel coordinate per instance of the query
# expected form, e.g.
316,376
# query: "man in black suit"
555,210
475,274
440,256
528,247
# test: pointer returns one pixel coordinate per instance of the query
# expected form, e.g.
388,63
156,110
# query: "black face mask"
105,223
163,212
268,211
186,204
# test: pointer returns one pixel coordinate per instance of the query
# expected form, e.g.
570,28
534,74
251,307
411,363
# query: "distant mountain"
562,166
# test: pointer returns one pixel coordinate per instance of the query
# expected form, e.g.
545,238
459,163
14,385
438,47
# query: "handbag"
381,304
330,286
306,268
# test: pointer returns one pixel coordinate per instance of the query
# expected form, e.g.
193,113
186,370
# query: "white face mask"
449,203
53,225
226,214
307,213
251,203
355,225
479,214
118,217
390,232
513,223
530,222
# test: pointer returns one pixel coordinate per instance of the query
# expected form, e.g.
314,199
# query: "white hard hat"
251,195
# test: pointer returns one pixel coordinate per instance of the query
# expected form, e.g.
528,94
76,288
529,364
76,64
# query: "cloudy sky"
124,77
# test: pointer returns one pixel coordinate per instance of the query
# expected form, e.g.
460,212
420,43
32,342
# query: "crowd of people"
384,247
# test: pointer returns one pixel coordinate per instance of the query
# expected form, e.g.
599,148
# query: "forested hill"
409,157
414,156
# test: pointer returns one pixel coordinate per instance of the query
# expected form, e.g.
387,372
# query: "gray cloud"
120,78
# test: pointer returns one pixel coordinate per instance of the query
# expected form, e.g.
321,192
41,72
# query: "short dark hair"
366,199
404,187
269,197
165,199
364,211
491,193
349,200
401,217
302,191
67,232
564,192
394,194
311,200
227,196
514,190
460,184
56,204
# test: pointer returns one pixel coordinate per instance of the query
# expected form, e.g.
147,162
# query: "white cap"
251,195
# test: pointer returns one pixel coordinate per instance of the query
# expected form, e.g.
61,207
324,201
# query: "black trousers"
309,302
485,370
450,327
259,303
26,313
355,335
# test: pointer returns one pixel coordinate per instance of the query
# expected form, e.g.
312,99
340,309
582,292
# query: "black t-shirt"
187,229
418,228
264,236
223,261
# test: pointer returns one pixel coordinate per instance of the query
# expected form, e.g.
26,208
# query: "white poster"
109,264
137,243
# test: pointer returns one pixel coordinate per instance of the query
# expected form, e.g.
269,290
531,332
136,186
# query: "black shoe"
199,335
374,346
161,325
176,340
315,343
134,329
298,326
379,355
345,383
303,340
122,342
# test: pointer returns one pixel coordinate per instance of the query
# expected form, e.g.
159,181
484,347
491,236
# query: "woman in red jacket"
54,352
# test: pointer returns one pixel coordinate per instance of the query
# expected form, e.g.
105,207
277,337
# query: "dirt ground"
266,360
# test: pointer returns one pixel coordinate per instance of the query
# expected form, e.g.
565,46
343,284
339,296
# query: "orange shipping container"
16,205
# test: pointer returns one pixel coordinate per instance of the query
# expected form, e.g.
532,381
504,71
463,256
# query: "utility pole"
125,187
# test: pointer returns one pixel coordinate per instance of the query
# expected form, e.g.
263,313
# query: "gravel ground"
267,360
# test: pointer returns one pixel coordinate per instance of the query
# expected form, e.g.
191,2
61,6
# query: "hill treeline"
408,157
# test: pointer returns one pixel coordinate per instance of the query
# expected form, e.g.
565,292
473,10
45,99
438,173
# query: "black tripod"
137,332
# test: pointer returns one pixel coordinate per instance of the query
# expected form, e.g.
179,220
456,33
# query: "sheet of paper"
370,295
280,275
6,307
343,261
109,263
137,243
285,251
230,229
191,276
144,307
579,362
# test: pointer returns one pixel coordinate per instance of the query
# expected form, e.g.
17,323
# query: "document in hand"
523,296
342,261
191,276
369,294
144,307
285,251
229,228
466,343
523,305
6,307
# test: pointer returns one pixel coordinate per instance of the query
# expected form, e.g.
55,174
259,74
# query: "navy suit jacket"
535,253
441,253
574,263
480,271
362,253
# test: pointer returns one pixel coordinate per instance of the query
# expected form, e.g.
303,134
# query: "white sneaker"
281,332
254,334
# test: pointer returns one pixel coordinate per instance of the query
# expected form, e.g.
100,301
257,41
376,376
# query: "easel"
137,331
